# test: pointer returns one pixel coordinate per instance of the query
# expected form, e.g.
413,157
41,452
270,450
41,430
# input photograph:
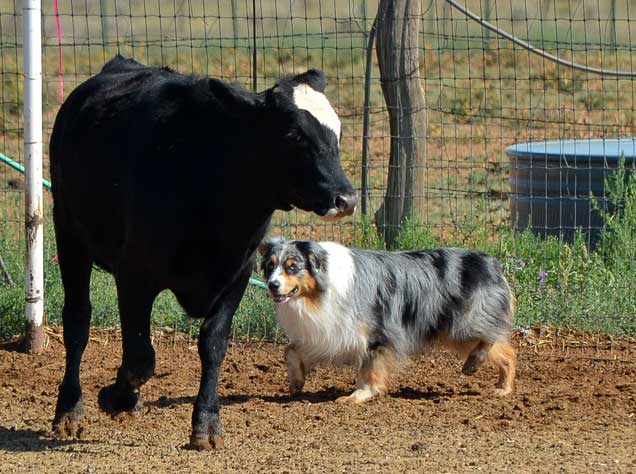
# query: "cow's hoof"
205,442
69,424
114,402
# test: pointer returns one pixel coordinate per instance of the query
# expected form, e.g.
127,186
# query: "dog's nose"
273,285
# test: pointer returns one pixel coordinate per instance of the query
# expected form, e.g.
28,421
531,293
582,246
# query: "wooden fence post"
397,47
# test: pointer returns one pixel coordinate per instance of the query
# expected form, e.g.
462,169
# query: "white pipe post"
34,275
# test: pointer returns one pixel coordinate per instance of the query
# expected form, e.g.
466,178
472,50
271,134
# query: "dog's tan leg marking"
504,356
371,379
476,357
295,369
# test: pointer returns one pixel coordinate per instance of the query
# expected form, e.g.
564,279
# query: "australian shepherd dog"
373,309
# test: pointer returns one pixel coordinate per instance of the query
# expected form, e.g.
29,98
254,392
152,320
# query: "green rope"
259,283
17,166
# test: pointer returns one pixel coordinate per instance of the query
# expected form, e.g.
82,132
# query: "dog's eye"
270,266
293,268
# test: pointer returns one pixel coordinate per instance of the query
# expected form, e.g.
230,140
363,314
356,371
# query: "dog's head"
293,268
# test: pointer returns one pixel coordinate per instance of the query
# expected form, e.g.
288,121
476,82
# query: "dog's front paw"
503,391
296,386
357,397
345,399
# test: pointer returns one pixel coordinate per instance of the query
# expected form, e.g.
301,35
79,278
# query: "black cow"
170,181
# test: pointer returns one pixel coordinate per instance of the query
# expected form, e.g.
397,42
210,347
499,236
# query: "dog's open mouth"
282,298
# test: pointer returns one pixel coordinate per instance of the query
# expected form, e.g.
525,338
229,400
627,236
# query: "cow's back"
98,148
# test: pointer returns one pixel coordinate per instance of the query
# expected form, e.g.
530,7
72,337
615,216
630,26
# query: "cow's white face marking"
309,99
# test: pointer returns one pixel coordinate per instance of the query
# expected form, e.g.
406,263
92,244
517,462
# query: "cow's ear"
279,98
313,78
233,98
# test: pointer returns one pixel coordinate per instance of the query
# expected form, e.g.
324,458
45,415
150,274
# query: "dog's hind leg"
372,377
296,370
476,357
504,356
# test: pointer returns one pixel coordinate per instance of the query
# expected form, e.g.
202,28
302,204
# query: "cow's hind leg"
207,432
75,267
136,294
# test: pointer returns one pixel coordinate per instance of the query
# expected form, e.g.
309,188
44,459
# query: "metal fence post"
613,38
487,11
102,15
364,184
234,24
254,54
34,274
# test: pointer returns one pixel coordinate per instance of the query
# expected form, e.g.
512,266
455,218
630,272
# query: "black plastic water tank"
551,182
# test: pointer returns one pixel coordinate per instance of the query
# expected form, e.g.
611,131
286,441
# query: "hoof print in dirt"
114,403
205,442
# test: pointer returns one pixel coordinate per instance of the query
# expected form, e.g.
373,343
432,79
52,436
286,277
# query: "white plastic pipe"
34,275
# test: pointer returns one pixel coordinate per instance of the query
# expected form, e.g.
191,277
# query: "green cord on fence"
17,166
258,283
47,184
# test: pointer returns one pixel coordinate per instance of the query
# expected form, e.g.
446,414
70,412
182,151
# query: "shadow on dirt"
13,345
25,440
410,393
330,394
323,396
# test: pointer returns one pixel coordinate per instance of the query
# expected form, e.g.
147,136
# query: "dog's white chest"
328,333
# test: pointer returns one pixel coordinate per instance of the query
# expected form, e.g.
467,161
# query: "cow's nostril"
273,285
346,203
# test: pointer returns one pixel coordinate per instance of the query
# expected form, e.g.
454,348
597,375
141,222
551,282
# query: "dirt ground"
574,410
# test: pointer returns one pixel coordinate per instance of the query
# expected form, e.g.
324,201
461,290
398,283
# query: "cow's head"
310,175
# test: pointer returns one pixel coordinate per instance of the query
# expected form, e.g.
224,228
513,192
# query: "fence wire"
483,93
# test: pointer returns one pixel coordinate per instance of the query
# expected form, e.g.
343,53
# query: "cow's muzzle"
344,205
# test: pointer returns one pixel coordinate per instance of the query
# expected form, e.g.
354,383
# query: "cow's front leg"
213,337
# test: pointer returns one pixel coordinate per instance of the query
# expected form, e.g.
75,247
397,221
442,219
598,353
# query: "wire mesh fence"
483,93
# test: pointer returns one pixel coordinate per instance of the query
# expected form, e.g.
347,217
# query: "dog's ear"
265,248
316,256
266,245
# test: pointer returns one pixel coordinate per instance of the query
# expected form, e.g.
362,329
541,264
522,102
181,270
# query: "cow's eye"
294,136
